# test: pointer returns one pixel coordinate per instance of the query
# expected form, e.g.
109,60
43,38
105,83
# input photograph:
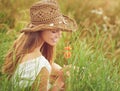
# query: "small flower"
67,54
105,27
105,17
68,48
97,11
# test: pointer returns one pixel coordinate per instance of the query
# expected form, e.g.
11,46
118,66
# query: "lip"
54,40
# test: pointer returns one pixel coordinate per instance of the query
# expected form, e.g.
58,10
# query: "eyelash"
53,31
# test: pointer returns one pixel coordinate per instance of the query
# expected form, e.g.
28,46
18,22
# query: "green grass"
95,71
95,45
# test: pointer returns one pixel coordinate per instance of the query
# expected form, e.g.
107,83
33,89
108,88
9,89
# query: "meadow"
94,49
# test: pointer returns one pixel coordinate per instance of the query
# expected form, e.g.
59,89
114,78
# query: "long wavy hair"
24,44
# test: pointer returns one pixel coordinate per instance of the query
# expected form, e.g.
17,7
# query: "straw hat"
46,15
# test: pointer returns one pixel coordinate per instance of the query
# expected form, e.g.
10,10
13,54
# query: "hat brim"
68,25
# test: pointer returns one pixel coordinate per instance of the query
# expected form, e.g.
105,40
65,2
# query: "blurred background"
89,14
98,30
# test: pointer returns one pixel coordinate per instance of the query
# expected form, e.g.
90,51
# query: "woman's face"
51,36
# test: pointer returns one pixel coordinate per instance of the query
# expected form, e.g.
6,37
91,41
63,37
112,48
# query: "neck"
37,49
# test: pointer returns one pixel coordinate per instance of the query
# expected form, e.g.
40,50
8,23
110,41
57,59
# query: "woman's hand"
56,78
41,82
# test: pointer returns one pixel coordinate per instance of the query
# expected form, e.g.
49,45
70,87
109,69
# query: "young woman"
30,61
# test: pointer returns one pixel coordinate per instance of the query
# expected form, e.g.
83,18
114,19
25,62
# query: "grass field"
95,46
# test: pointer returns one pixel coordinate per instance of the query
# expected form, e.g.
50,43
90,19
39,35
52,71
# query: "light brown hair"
25,43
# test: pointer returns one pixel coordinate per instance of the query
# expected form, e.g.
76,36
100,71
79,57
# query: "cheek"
49,38
46,36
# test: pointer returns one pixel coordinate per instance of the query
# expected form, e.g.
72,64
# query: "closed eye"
54,31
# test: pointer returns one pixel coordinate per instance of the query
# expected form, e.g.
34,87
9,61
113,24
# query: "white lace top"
27,72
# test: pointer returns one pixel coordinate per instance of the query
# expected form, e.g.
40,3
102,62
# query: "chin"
52,44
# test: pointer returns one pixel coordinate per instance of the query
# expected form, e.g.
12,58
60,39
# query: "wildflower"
105,18
97,11
68,48
67,54
83,68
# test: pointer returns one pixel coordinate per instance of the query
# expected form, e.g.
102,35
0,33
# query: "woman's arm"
55,72
58,85
56,77
41,82
55,68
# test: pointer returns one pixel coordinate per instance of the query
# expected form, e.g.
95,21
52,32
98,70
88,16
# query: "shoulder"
45,63
30,56
33,61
